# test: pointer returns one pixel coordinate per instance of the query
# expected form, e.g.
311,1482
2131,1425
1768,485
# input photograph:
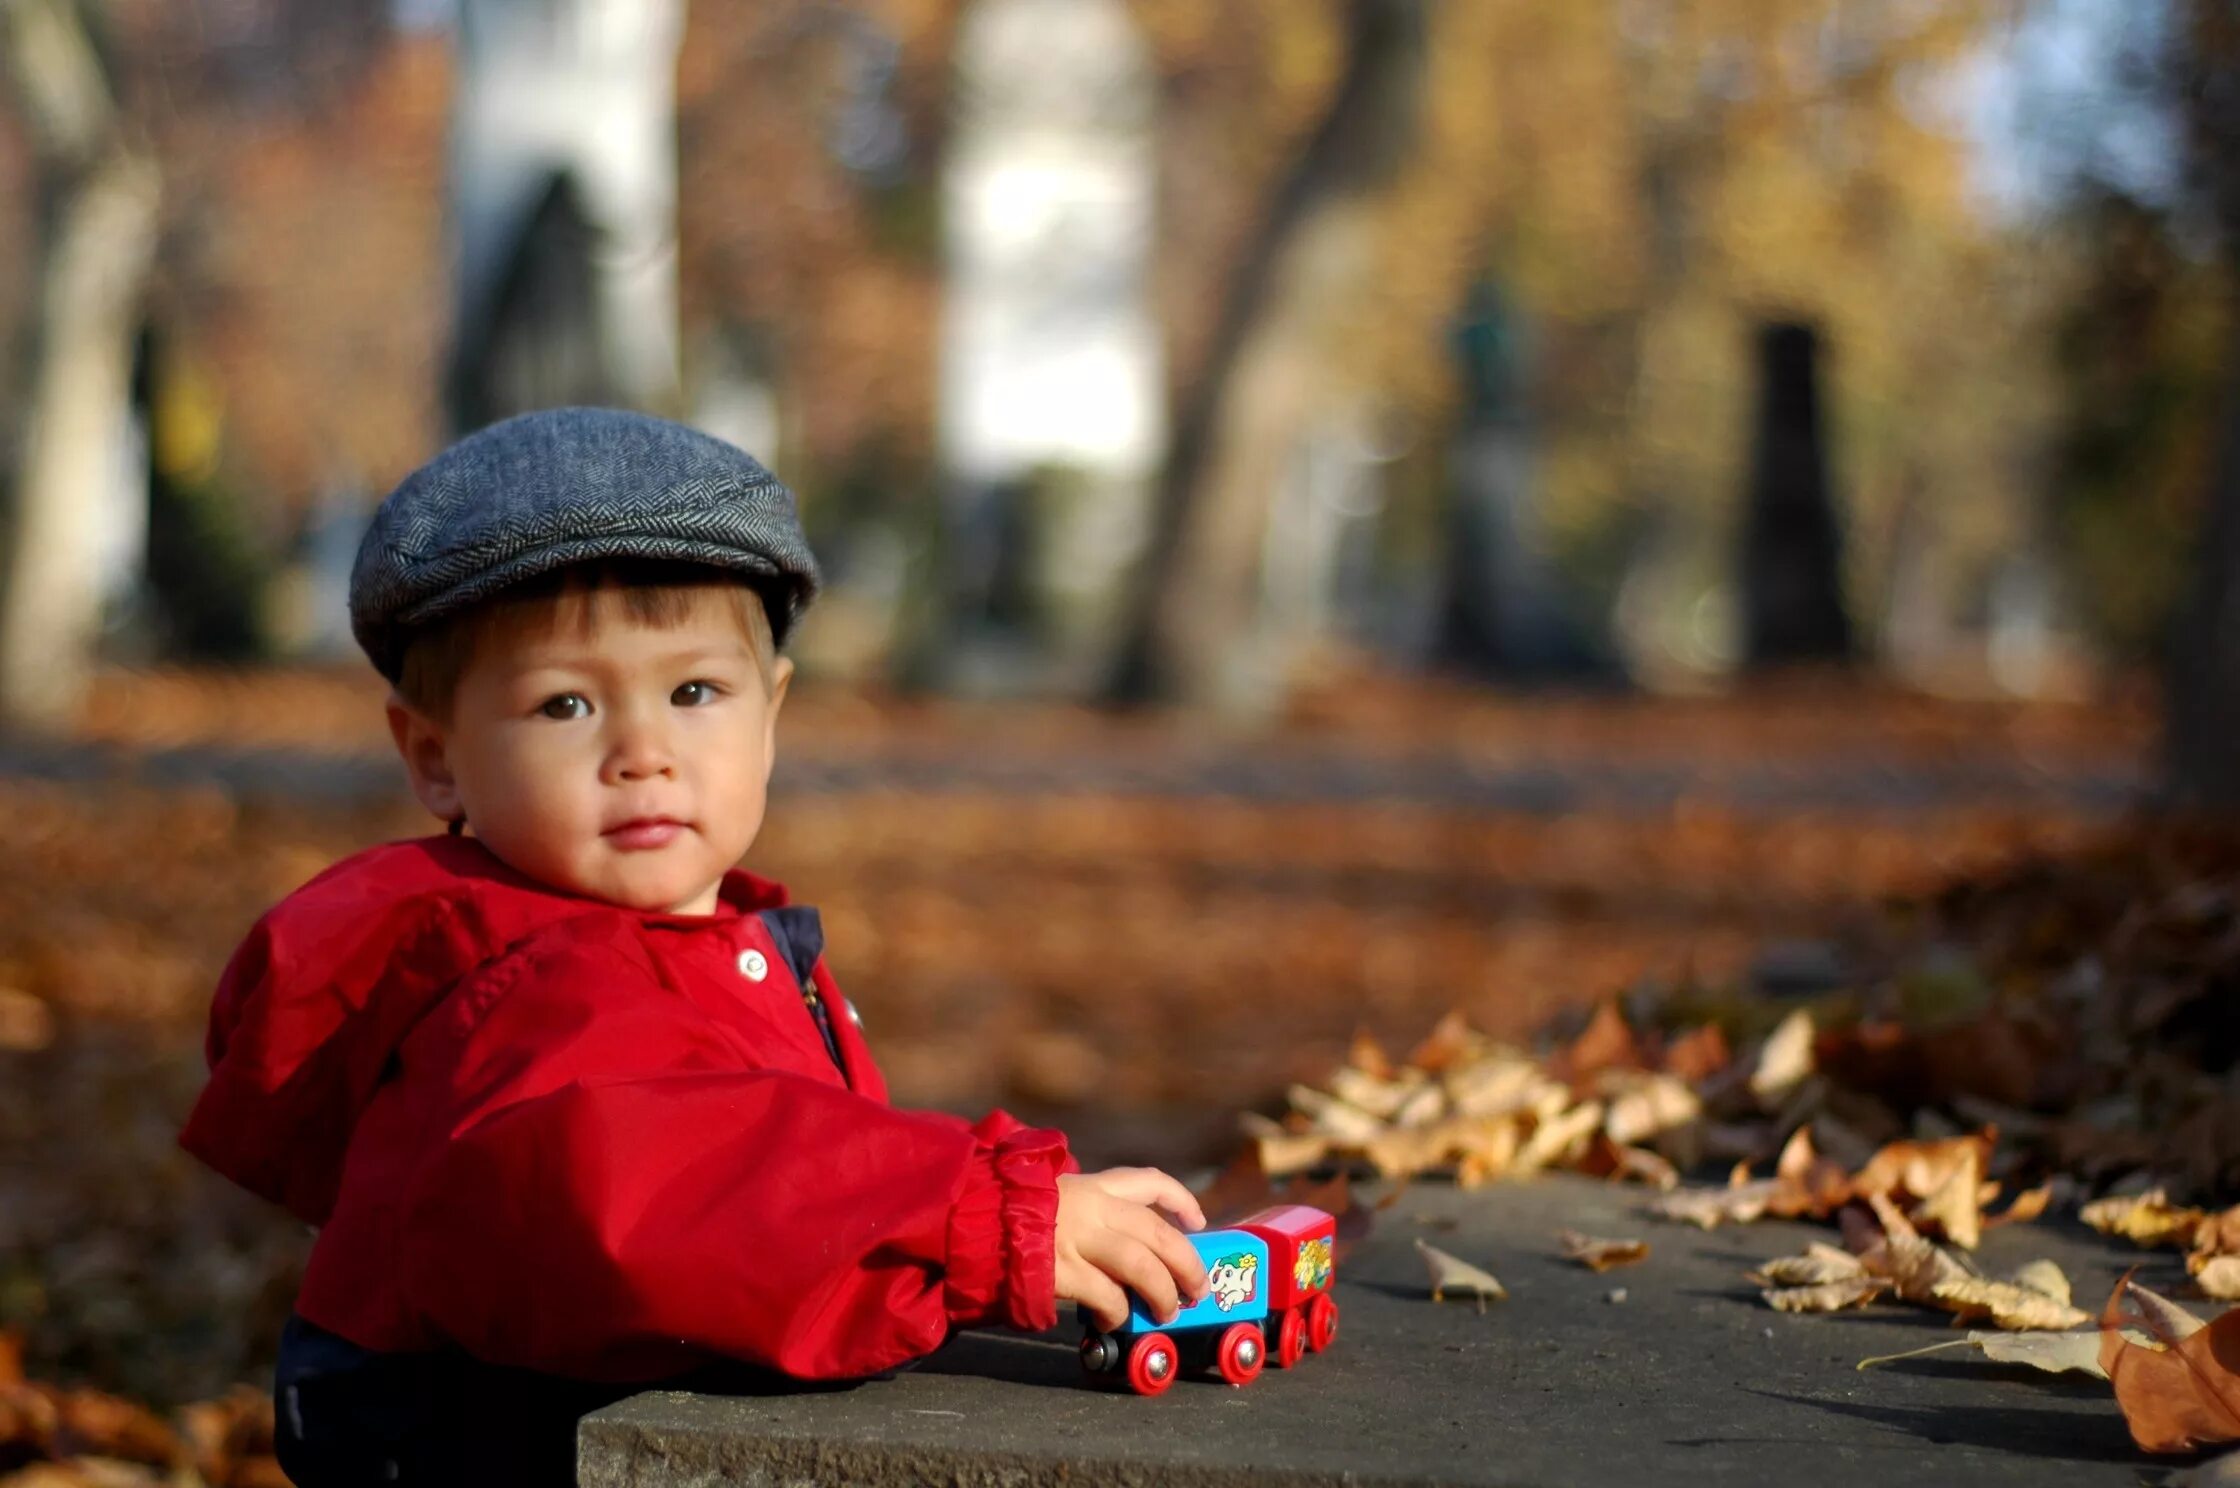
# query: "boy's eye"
566,706
694,694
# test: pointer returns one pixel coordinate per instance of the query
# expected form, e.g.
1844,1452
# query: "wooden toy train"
1270,1273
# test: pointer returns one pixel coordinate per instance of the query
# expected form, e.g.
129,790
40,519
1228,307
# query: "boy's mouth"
643,833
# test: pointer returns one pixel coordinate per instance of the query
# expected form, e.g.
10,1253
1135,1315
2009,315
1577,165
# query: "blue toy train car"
1270,1274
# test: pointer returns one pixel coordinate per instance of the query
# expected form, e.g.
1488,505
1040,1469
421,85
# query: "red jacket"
587,1140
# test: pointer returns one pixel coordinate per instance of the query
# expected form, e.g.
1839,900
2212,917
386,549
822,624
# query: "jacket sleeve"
620,1193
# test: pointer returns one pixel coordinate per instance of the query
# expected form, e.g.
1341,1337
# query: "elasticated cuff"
1003,1235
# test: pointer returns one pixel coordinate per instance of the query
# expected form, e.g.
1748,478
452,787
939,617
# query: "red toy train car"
1271,1275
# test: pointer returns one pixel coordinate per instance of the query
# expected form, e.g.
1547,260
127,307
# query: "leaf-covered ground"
1131,928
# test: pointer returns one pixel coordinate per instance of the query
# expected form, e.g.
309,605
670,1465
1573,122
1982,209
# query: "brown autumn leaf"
1368,1056
1784,1062
2218,1276
1954,1208
1709,1208
2044,1276
1340,1120
1607,1159
1453,1274
1914,1265
1647,1105
1607,1043
1483,1149
1698,1054
2181,1392
29,1419
93,1424
1381,1096
11,1359
1450,1042
2147,1219
1403,1154
2008,1305
1918,1169
1820,1264
231,1439
1828,1296
1559,1138
1809,1184
2219,1233
2025,1207
1502,1085
1598,1254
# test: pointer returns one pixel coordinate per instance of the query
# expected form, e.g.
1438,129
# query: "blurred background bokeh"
1333,510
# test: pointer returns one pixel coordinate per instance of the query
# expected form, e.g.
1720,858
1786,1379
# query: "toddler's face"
615,759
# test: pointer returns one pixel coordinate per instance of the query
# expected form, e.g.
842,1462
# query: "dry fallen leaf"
1335,1118
2219,1234
1451,1273
2178,1393
2147,1219
1451,1042
1828,1296
1558,1140
1698,1054
2016,1308
1784,1062
1379,1095
2027,1206
1645,1106
1954,1207
1644,1166
2217,1276
1921,1168
1607,1042
1368,1056
2055,1353
1820,1264
1712,1207
1916,1266
2046,1277
1598,1254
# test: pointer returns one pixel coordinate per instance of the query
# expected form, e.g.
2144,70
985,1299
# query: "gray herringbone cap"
571,485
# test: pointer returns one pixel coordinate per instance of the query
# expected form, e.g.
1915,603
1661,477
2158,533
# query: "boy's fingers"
1138,1267
1157,1189
1174,1251
1107,1304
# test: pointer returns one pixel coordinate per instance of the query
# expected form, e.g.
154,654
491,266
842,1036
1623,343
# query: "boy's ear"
781,677
420,744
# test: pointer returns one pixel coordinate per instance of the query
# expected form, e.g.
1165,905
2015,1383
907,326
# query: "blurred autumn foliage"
1642,187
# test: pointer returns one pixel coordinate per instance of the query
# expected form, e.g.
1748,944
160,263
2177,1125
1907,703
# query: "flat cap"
571,485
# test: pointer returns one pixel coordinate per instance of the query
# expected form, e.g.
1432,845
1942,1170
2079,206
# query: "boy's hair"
652,592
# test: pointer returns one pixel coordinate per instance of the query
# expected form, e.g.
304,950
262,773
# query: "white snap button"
753,965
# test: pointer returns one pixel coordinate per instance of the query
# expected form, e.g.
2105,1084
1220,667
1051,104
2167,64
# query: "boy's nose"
639,751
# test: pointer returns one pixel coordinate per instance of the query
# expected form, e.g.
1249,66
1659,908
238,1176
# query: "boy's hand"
1110,1237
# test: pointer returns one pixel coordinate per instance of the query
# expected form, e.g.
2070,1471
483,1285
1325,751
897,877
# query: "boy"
564,1092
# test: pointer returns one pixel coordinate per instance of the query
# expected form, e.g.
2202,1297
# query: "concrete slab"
1691,1379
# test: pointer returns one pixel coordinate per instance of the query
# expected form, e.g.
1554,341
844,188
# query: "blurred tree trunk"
1792,544
1192,597
97,231
2201,745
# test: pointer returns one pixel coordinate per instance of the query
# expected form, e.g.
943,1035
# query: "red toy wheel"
1151,1364
1291,1339
1244,1352
1322,1323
